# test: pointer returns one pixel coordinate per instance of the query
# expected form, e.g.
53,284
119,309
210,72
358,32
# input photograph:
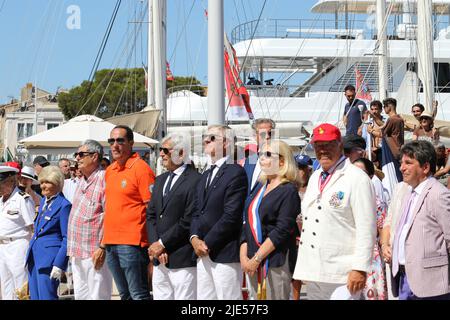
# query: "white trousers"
174,284
88,283
13,274
218,281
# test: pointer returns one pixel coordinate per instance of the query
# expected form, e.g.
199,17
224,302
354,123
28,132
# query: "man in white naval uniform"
17,212
339,222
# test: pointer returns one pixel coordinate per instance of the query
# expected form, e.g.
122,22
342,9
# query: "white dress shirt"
402,239
218,164
178,172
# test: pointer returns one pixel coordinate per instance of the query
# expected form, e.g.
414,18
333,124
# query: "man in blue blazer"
264,128
47,252
217,221
169,216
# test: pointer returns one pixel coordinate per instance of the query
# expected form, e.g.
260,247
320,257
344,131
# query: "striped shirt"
85,230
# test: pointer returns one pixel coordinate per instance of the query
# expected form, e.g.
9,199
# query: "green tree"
115,92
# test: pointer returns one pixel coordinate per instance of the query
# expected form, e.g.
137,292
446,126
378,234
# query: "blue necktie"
208,181
168,185
323,177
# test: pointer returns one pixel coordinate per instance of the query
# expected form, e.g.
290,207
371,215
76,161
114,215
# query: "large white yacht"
312,60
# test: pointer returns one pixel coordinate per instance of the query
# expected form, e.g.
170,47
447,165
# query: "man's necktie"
398,231
323,177
168,185
208,181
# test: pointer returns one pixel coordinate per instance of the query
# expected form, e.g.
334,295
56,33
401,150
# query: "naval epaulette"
24,194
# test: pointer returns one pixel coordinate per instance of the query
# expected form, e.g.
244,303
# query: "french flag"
390,167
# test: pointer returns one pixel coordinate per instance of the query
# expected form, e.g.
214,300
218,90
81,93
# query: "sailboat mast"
150,59
216,80
382,50
159,46
425,50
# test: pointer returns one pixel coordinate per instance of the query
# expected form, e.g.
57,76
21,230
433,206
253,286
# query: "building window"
52,125
24,130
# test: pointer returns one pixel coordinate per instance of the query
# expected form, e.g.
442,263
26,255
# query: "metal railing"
317,29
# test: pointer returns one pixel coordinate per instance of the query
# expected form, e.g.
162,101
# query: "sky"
53,43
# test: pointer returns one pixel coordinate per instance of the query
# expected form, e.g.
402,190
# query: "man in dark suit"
169,217
263,132
216,224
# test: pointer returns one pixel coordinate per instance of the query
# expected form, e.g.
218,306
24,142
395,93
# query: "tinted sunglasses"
207,138
268,154
165,150
264,134
120,141
81,154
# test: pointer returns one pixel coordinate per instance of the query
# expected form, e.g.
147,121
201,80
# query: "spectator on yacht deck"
354,111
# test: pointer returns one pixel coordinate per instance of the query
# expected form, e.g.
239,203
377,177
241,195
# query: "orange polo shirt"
127,194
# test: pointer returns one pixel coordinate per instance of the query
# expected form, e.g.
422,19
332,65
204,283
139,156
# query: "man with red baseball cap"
338,234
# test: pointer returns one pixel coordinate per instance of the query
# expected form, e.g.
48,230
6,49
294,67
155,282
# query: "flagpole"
216,82
382,51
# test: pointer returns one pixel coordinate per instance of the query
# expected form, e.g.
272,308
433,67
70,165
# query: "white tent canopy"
77,130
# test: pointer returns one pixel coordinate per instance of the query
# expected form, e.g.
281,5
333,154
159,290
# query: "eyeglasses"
165,150
207,138
82,154
120,141
268,154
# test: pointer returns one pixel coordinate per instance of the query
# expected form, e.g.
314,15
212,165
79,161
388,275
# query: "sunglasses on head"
165,150
82,154
268,154
120,141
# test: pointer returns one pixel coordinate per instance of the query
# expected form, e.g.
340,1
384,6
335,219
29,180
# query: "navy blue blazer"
48,247
218,217
277,212
170,221
249,167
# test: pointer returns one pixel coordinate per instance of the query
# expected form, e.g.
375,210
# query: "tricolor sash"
255,226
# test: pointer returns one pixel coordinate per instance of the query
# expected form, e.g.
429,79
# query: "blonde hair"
53,175
287,172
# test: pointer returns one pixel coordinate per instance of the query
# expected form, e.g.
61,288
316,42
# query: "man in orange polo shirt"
127,194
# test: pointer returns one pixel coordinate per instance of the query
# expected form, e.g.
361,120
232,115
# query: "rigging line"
183,29
61,15
133,40
39,43
100,52
248,48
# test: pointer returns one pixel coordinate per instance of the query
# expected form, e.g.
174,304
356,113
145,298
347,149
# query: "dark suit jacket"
249,167
48,247
277,213
218,217
171,222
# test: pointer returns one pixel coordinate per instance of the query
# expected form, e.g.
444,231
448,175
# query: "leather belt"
6,240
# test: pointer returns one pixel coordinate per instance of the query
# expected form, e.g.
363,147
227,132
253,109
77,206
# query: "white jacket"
338,231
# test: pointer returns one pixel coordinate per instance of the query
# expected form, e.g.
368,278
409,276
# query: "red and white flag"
362,89
238,97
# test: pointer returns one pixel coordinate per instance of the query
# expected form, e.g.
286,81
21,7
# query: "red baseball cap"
326,132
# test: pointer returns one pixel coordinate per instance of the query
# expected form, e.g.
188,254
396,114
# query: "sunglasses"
267,154
81,154
165,150
120,141
207,138
265,134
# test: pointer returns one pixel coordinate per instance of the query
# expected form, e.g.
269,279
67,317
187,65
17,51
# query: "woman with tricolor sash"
269,224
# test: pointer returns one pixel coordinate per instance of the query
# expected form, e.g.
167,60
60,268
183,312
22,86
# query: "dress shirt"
402,239
218,164
178,172
256,174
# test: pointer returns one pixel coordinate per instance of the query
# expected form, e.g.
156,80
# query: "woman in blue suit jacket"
269,224
46,257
